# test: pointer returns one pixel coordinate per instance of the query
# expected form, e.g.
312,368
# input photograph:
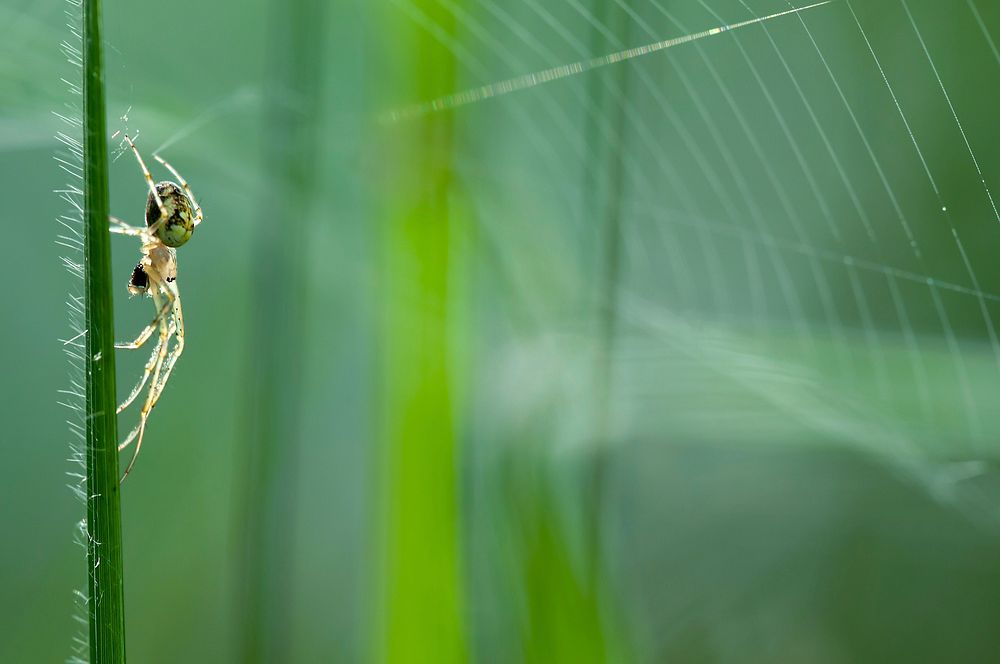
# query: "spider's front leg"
157,288
162,313
147,370
175,354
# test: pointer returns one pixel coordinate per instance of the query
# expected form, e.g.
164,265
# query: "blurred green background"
690,358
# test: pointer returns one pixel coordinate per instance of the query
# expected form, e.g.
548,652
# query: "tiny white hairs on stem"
69,159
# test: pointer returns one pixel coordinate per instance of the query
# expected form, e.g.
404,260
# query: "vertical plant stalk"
272,439
607,165
612,102
420,612
104,534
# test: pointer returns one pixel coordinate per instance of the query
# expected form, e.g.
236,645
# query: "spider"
172,214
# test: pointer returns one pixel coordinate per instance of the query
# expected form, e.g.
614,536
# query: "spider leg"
149,178
137,434
118,230
175,354
165,369
121,228
157,358
147,370
154,365
147,331
184,184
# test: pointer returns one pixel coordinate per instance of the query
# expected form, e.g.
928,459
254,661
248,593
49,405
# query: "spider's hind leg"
121,228
184,185
149,178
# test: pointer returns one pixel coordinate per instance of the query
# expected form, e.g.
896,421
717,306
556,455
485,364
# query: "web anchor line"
526,81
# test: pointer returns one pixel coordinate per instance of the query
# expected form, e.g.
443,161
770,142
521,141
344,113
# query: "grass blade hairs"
104,542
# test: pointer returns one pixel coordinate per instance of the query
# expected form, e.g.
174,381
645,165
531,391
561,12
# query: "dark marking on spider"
139,281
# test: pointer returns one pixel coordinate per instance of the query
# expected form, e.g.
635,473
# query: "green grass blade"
104,547
273,404
421,609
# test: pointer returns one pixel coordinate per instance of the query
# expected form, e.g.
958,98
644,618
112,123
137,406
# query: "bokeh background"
688,358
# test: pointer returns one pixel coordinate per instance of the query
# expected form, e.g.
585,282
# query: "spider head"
138,283
179,223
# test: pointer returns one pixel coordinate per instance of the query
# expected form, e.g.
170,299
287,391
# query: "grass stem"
272,438
104,547
420,612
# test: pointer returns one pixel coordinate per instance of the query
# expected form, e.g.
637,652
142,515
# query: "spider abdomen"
178,211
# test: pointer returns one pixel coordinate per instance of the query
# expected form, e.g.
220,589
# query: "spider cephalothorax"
172,214
162,260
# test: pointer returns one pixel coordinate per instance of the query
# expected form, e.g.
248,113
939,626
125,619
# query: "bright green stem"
420,613
104,549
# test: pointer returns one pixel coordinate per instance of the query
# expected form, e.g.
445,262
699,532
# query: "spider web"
780,234
810,195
